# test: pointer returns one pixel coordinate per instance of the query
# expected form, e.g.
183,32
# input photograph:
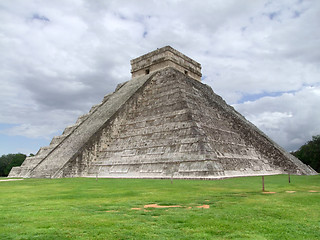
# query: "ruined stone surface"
162,58
161,125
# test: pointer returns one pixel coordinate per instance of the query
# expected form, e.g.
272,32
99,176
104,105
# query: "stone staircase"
33,162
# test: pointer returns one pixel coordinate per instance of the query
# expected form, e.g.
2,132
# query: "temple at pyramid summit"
163,123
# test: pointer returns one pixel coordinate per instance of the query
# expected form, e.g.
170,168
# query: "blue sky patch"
20,144
145,33
4,126
273,15
296,14
255,97
36,16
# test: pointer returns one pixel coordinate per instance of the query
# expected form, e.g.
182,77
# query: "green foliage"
10,160
310,153
83,208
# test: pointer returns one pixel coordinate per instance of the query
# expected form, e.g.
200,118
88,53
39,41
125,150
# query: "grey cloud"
290,119
52,71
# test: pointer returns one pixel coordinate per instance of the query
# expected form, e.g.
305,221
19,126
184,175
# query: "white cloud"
58,58
290,119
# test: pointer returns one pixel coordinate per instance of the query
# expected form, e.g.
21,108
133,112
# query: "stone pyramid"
163,123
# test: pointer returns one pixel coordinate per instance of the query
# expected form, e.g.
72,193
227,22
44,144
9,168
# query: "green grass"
79,208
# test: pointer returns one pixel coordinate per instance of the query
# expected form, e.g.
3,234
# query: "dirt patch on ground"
203,206
167,206
268,192
290,191
111,211
158,206
7,180
312,191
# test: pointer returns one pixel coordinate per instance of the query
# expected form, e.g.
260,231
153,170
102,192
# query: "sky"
58,58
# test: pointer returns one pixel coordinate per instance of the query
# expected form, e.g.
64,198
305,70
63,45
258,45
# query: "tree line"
309,153
9,161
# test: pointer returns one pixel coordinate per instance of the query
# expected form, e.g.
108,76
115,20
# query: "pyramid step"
58,139
120,85
106,97
44,151
15,172
53,145
28,164
24,171
31,161
94,107
69,129
82,118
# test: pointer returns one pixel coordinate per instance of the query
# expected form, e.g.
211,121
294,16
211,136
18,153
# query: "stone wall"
162,58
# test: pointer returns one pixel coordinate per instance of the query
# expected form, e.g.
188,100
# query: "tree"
9,161
309,153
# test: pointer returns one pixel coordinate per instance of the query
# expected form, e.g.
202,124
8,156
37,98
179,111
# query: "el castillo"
163,123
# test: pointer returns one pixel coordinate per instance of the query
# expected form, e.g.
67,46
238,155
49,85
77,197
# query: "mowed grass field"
82,208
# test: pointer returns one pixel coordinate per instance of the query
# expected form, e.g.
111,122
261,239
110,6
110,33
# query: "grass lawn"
80,208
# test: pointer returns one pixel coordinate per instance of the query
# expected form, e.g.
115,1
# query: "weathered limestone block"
28,164
94,107
44,151
58,139
82,118
162,58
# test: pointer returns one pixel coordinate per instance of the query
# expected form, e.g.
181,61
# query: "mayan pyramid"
163,123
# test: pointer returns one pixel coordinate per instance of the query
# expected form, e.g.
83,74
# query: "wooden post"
289,178
262,183
97,174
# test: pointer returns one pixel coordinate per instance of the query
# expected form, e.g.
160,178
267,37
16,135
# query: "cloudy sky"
58,58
